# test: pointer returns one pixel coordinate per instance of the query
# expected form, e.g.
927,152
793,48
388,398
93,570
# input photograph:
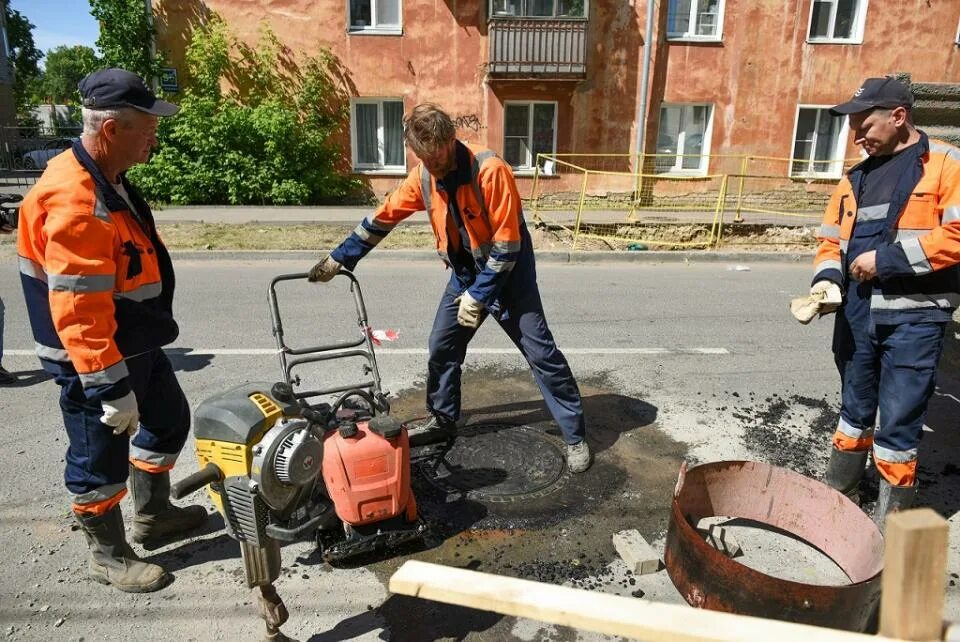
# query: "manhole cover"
499,463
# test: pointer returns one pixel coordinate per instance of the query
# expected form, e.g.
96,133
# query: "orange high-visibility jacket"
98,282
490,209
917,258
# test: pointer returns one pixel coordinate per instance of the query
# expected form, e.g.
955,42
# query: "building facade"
726,77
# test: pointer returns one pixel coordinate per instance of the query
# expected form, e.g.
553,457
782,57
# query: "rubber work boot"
845,470
579,457
891,500
112,561
433,430
156,517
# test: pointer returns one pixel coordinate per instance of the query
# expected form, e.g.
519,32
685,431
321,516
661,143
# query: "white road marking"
423,351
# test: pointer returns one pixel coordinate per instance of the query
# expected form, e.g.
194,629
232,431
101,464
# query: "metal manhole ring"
500,463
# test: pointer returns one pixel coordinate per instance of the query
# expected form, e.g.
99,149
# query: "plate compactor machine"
281,467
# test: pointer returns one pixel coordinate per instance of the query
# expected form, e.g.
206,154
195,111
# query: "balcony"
538,48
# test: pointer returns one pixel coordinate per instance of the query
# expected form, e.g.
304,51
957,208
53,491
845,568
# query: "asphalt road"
707,354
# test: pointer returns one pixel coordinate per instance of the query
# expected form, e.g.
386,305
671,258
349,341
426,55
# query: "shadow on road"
184,360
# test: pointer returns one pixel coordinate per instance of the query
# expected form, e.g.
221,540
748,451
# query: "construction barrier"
752,200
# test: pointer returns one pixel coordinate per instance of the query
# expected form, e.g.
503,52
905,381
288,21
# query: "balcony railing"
538,48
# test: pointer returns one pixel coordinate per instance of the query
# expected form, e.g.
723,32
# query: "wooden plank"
599,612
914,572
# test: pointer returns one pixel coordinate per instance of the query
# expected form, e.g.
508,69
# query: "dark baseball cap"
876,92
112,88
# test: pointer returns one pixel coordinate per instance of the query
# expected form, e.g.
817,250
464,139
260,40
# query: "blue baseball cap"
112,88
876,92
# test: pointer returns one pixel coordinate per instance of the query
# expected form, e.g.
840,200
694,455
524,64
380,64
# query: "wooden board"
599,612
914,573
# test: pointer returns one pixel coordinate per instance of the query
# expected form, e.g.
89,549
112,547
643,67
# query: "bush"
272,138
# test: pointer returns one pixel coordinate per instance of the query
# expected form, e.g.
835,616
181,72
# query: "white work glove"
470,313
825,296
828,294
121,414
324,270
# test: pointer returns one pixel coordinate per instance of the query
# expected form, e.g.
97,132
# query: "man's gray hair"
428,128
93,119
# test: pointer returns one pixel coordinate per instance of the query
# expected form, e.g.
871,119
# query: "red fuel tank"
368,475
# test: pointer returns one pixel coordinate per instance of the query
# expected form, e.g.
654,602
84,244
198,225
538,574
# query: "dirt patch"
562,537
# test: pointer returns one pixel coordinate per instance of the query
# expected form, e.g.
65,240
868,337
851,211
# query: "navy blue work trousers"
96,458
524,322
890,368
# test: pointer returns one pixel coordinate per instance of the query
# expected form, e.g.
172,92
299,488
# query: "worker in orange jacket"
474,208
889,250
98,284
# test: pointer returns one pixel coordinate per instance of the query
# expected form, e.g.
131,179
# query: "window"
382,16
529,129
957,39
376,134
684,139
819,143
538,8
695,19
837,20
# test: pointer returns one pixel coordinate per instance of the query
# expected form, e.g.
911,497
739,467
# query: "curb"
544,256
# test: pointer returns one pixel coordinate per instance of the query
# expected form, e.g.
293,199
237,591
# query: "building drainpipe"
644,86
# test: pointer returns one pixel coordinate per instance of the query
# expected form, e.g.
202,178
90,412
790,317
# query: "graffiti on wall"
468,121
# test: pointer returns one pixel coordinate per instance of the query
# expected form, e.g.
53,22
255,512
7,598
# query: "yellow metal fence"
672,203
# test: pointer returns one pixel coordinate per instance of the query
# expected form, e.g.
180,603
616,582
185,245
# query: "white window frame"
693,37
839,149
956,40
371,168
678,169
374,29
530,167
520,11
856,38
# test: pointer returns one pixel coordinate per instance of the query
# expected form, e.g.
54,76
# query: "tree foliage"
24,58
254,127
127,36
64,68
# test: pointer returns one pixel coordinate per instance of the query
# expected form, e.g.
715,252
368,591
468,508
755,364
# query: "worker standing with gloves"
98,284
474,208
890,244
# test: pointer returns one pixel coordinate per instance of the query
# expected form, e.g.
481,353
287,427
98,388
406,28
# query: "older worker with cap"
98,284
889,249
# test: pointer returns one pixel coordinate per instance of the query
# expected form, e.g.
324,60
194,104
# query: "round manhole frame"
469,431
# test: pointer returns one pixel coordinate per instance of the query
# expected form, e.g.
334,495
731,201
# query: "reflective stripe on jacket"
917,258
98,282
490,208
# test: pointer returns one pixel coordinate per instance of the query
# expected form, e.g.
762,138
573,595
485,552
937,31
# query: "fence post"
717,230
743,170
583,195
914,570
534,196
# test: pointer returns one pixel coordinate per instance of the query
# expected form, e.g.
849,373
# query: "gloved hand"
829,295
825,296
324,270
470,313
121,414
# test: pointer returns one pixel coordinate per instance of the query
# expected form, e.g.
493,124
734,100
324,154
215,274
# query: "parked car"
37,158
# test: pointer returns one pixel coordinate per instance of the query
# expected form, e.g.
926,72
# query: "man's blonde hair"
428,128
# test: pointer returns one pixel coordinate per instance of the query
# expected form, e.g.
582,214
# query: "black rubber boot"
891,500
845,470
432,431
156,518
112,561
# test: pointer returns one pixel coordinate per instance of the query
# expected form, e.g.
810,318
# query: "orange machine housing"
368,475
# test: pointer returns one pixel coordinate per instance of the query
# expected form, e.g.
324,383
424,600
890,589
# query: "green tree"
254,127
127,36
24,58
64,68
